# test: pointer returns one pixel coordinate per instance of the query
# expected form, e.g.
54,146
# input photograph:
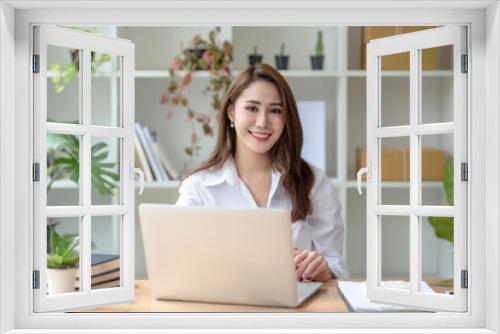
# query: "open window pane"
74,160
437,165
395,250
63,84
106,89
394,166
105,170
106,242
437,89
63,254
425,137
437,253
395,90
63,169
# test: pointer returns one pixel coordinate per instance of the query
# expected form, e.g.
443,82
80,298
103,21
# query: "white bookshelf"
342,84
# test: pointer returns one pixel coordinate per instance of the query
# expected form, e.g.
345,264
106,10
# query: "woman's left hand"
311,266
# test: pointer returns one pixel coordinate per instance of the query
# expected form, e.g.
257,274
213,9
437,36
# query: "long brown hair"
298,177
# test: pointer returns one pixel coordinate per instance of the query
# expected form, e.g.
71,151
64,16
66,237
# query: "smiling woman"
258,154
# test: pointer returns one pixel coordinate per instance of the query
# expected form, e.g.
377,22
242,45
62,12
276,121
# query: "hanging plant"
62,74
209,55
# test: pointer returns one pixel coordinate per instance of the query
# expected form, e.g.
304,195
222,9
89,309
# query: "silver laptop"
235,256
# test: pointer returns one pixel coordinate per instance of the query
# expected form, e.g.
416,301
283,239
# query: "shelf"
398,184
285,73
206,74
433,73
174,184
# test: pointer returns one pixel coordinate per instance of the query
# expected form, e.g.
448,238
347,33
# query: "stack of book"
151,157
105,272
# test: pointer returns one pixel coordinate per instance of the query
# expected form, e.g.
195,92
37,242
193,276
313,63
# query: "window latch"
365,170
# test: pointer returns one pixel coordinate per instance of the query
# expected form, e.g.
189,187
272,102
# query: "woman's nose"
261,120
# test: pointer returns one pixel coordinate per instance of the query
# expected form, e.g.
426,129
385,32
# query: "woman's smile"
260,136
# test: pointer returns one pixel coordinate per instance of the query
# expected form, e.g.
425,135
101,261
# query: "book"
151,143
109,284
102,263
141,161
112,275
354,294
162,155
148,152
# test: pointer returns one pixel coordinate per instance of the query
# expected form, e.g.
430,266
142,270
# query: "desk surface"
327,299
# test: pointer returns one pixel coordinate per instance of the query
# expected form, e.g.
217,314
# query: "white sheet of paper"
313,118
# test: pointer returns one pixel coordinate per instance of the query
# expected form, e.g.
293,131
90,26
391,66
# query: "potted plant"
62,262
63,152
255,57
194,54
63,155
318,57
282,59
443,226
61,75
217,59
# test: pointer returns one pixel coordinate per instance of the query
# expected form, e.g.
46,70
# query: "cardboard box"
397,61
433,164
395,164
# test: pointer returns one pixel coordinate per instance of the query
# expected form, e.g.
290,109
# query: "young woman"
256,163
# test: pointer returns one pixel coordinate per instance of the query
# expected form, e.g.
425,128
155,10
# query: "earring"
232,124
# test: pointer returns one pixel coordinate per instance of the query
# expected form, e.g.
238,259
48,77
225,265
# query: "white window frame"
43,37
483,18
414,44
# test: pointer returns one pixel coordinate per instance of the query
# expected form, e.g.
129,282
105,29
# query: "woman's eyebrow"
272,103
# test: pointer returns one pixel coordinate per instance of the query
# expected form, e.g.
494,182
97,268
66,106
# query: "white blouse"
322,231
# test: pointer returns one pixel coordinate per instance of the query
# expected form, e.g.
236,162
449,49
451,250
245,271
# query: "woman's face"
259,117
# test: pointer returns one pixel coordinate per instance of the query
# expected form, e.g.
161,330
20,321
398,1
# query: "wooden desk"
327,299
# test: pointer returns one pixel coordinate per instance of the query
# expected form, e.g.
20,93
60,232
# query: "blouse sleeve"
327,226
188,194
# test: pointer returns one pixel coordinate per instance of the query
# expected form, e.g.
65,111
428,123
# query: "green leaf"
448,182
443,227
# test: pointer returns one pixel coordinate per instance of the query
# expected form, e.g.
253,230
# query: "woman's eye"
251,108
276,111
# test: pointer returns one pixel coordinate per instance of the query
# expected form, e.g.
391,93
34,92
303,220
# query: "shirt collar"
229,173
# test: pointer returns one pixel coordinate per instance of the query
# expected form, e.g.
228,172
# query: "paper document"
356,299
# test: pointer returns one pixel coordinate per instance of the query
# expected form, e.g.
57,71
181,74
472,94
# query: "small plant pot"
282,62
254,59
195,54
61,280
317,62
75,58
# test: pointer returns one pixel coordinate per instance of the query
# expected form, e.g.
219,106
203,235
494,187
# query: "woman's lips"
260,136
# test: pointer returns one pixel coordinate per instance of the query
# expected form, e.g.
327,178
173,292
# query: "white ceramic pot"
61,280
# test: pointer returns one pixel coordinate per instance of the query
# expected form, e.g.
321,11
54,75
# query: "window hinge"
465,62
36,279
36,172
465,279
36,63
464,170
